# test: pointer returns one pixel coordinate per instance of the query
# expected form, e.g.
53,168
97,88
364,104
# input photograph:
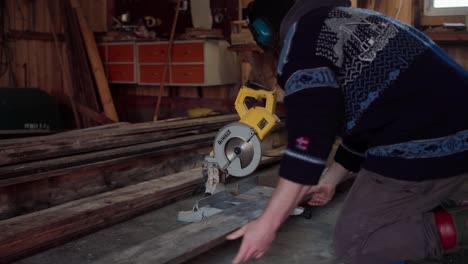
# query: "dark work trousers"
386,220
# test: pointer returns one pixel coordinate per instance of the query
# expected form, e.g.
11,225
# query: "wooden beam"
81,141
93,115
191,240
449,37
120,168
24,169
121,130
439,20
28,233
96,63
37,192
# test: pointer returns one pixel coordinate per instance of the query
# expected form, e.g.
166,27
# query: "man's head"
265,17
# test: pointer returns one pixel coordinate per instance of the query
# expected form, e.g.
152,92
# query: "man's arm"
259,234
314,112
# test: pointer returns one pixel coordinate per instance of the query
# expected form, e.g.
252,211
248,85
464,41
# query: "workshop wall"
222,11
29,54
30,58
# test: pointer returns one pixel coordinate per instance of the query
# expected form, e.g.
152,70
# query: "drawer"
188,74
152,52
188,52
120,53
102,53
152,73
121,73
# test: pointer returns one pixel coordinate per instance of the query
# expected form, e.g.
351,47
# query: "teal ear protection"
264,17
262,31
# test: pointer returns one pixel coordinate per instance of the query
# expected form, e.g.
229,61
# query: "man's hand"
257,238
321,194
259,234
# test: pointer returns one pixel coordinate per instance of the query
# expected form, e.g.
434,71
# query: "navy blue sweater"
399,102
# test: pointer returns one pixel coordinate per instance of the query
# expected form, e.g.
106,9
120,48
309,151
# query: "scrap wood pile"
90,178
36,157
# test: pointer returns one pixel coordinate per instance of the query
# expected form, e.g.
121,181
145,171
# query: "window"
445,7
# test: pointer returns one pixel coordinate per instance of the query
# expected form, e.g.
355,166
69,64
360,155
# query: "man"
400,105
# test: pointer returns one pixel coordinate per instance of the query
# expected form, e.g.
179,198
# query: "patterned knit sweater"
397,100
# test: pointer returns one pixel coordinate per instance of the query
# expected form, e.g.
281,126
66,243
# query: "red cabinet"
191,63
119,61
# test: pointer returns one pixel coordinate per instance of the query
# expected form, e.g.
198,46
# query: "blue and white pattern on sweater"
372,51
430,148
310,78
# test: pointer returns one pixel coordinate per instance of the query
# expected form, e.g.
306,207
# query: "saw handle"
247,92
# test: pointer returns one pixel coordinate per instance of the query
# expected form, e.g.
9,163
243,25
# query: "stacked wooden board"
29,233
95,177
40,172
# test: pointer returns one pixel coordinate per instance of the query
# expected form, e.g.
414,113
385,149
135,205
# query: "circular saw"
237,146
237,149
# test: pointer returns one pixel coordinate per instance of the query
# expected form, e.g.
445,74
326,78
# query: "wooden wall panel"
96,13
401,9
40,57
459,52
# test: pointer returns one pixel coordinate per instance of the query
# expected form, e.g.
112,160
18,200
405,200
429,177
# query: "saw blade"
238,148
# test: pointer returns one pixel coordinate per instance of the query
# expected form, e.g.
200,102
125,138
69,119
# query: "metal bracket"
234,194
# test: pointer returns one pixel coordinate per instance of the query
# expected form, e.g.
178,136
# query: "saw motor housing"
262,119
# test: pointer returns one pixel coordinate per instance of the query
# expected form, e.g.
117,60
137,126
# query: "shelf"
449,37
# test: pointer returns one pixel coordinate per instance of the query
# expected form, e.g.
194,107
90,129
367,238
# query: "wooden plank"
439,20
455,37
37,174
35,231
96,63
186,242
82,141
133,129
93,115
28,233
75,183
23,169
97,128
